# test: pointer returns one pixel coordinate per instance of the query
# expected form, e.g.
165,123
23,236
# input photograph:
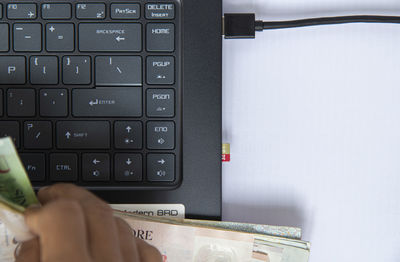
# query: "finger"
28,251
102,229
60,226
127,241
148,253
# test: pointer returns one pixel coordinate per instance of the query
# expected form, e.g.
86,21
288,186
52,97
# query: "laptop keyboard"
90,91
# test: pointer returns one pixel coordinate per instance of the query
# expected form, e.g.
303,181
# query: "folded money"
177,239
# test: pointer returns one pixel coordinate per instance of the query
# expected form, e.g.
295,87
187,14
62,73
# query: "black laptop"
120,97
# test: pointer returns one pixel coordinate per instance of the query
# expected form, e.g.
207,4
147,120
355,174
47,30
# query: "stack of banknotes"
177,239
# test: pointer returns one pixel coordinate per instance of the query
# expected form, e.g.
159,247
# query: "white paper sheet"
313,118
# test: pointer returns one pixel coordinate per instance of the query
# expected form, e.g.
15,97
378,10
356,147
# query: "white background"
313,118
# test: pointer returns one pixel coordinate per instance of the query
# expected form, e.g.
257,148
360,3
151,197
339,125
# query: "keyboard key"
116,102
21,102
56,11
10,128
1,102
60,37
160,103
160,70
35,166
77,70
160,135
128,167
63,167
160,11
118,71
12,70
128,135
96,167
125,11
21,11
4,39
54,102
1,9
38,135
160,37
44,70
90,11
112,37
27,37
83,134
160,167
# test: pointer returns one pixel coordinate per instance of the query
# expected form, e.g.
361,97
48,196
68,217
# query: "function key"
63,167
161,37
56,11
90,11
11,129
161,167
35,165
12,70
21,11
125,11
160,11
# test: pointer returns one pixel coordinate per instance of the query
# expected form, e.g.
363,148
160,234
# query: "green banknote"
15,188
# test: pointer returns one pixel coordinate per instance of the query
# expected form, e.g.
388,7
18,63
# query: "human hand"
73,225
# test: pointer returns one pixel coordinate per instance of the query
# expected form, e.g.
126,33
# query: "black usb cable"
246,26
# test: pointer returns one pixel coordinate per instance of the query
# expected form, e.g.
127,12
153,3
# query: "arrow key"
128,135
128,167
96,167
161,167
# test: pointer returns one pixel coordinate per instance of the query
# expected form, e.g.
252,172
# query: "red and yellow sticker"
226,152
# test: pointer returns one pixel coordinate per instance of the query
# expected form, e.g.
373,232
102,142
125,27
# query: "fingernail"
17,250
43,188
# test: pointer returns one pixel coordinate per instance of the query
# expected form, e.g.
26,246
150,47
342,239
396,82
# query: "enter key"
107,102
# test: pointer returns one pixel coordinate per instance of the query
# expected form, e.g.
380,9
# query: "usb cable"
246,26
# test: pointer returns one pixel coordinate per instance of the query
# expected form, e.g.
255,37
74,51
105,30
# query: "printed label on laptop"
153,210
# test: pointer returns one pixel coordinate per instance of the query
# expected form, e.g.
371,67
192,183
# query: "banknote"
16,192
178,239
15,188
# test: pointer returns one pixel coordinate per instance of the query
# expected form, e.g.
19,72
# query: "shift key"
83,134
107,102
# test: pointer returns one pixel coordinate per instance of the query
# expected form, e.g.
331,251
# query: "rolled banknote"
16,192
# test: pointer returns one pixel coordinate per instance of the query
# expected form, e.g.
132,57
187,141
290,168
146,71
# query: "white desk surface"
313,118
